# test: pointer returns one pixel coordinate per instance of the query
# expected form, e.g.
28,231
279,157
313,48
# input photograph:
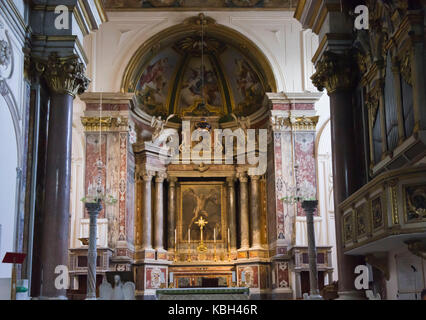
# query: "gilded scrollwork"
106,123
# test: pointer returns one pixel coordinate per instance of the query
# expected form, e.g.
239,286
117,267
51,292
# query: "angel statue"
160,134
120,291
243,122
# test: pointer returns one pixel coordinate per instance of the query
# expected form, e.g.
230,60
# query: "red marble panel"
305,159
251,276
283,275
278,181
122,186
107,107
155,277
130,210
95,150
293,106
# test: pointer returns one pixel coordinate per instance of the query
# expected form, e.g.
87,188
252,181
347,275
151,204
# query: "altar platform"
203,294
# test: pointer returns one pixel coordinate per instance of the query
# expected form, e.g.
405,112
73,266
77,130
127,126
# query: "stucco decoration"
6,54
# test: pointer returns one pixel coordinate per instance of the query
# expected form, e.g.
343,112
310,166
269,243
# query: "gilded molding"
336,72
64,75
295,123
394,201
104,123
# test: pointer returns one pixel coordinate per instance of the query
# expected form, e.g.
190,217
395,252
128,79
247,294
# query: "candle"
214,235
229,238
175,237
189,236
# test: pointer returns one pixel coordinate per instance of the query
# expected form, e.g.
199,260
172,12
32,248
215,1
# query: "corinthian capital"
64,75
336,72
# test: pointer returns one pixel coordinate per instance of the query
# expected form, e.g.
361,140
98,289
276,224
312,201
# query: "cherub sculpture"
161,134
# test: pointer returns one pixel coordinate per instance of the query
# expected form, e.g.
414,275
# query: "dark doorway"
210,283
305,285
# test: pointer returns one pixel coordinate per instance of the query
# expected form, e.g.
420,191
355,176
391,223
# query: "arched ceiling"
166,73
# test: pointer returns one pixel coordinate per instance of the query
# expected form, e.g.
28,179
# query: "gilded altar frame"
223,210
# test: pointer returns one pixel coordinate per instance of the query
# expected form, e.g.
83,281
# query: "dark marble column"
232,224
338,74
255,212
65,78
244,212
159,212
93,209
309,208
171,214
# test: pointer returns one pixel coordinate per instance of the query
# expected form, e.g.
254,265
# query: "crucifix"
201,223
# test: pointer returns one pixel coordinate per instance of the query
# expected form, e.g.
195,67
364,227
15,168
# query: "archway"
165,73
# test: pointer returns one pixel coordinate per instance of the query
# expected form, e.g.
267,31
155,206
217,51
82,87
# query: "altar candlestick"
189,245
229,245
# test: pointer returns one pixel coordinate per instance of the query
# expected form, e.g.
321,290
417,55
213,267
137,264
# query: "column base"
162,254
91,299
351,295
314,297
51,298
144,254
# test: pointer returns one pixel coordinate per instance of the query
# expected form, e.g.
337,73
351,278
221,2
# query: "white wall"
403,280
278,35
8,164
12,115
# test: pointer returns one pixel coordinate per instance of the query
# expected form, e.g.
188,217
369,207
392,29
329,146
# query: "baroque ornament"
5,53
336,71
64,75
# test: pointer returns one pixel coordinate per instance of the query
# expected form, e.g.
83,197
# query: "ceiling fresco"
179,80
197,4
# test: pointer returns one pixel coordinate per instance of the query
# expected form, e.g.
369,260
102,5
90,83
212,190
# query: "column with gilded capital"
338,74
65,79
255,212
244,212
159,212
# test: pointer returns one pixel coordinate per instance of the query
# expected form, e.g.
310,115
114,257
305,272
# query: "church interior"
174,149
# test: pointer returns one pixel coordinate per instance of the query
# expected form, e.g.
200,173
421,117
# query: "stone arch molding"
141,44
6,71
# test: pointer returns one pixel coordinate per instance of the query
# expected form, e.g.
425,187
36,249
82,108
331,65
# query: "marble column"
232,224
348,172
255,212
159,212
244,212
309,208
65,79
147,211
93,209
171,214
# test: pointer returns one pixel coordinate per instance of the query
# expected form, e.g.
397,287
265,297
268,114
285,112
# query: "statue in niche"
120,291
